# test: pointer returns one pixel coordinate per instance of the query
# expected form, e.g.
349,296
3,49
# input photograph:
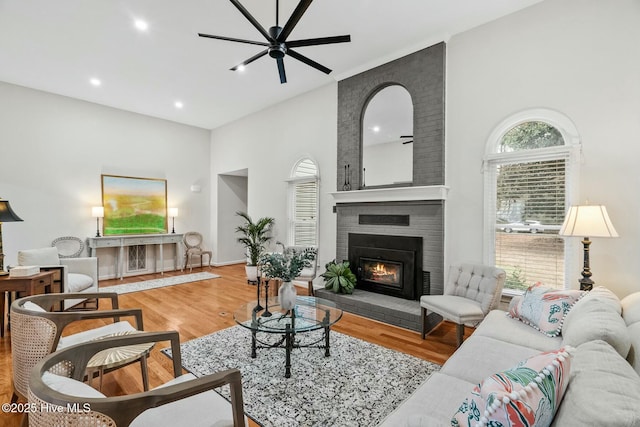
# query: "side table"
29,285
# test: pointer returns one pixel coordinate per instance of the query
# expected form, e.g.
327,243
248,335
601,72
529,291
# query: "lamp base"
586,284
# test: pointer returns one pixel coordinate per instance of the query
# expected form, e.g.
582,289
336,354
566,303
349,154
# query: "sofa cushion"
603,389
530,392
501,327
597,317
78,282
42,256
496,356
631,315
431,404
544,308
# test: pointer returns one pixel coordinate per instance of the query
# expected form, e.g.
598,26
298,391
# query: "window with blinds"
304,204
530,207
528,188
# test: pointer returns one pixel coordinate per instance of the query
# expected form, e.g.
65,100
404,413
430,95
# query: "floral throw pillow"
544,308
526,395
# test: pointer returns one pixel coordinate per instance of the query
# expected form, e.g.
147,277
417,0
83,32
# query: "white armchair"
470,293
75,274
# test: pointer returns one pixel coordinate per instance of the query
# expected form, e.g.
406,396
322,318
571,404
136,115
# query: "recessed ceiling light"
94,81
376,129
241,68
141,25
178,104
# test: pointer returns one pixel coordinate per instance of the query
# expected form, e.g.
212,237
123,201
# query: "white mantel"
394,194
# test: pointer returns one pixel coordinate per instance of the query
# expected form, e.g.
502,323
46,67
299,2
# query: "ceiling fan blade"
319,41
293,19
250,60
283,74
251,19
406,136
308,61
231,39
407,142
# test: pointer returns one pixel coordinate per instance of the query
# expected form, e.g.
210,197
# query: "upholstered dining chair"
68,246
193,246
470,293
183,401
36,330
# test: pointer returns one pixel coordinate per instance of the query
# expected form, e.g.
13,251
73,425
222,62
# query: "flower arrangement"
288,264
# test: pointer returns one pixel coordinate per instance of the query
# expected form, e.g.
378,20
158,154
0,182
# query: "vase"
287,295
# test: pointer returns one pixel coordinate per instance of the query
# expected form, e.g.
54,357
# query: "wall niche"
422,74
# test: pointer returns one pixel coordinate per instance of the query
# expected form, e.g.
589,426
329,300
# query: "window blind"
530,208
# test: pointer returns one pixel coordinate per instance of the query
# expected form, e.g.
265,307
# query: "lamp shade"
6,213
97,212
588,221
173,212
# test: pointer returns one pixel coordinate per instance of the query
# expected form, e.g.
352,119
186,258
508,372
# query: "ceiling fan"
277,45
406,136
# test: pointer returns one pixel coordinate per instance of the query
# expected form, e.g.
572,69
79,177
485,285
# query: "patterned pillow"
526,395
544,308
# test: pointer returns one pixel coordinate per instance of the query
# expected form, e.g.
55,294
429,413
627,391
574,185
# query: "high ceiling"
58,46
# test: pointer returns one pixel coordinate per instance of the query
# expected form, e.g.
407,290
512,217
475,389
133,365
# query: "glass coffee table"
281,326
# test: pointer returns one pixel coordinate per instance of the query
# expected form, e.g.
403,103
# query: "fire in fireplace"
382,271
390,265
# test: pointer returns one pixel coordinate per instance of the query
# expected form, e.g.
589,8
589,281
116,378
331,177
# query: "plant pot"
287,296
252,272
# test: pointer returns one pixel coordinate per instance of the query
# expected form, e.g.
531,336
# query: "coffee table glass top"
311,313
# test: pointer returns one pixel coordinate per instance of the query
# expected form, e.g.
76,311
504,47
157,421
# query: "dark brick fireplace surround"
421,206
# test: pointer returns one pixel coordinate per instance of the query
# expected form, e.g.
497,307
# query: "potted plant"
286,266
254,237
339,278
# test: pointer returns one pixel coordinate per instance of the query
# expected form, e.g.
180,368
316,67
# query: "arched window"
303,211
530,164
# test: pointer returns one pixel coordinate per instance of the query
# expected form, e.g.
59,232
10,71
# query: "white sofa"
604,380
77,274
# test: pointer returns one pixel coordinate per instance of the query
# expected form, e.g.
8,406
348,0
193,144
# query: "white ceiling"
57,46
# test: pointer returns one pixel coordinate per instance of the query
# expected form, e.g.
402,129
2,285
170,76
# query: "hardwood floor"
200,308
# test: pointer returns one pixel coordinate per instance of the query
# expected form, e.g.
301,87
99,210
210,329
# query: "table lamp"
173,213
6,215
97,212
587,221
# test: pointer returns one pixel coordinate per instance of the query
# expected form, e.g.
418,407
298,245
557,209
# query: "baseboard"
221,264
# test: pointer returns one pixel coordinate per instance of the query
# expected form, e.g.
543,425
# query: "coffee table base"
288,342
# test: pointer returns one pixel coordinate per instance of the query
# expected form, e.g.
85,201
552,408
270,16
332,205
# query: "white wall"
54,149
579,57
268,144
232,198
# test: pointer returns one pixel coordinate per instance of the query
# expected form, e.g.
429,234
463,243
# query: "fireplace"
390,265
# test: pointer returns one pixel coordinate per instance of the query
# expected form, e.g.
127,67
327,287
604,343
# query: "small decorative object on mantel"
286,266
347,178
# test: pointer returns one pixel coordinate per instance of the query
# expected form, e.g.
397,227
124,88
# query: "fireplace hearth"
390,265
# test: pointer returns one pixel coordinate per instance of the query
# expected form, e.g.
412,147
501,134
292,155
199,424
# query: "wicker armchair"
36,330
185,400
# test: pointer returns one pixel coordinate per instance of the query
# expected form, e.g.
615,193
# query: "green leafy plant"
255,235
339,278
288,264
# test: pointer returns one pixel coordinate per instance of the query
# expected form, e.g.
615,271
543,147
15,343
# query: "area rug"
360,384
158,283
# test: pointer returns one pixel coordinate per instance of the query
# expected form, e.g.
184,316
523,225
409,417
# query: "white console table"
158,240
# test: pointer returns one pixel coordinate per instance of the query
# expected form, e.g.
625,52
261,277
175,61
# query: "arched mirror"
387,138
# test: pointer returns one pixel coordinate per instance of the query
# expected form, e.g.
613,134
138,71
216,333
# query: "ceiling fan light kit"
277,46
